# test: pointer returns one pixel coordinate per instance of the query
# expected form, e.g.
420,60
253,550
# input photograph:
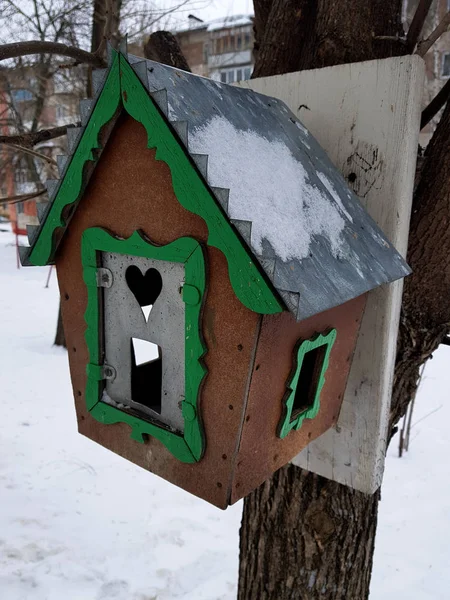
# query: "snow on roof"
231,21
251,167
217,24
308,230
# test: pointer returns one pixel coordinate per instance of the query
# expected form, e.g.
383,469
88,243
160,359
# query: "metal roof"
312,237
309,284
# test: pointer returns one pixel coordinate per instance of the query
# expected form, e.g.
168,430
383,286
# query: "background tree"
53,56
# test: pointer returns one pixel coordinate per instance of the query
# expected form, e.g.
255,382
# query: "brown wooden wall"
130,190
248,359
261,452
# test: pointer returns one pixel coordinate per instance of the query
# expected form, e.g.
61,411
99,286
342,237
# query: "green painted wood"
287,423
248,283
190,446
72,186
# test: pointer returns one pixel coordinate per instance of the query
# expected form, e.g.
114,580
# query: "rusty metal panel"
131,190
261,451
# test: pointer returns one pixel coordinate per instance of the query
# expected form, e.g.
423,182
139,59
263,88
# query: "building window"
247,40
61,112
446,64
302,399
232,42
21,175
225,44
239,41
22,95
232,75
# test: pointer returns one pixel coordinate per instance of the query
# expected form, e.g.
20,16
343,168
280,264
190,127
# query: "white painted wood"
366,116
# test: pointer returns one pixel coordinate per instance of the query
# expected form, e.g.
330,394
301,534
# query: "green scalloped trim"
190,446
71,188
304,346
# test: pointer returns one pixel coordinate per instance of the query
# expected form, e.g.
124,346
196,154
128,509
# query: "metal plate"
124,320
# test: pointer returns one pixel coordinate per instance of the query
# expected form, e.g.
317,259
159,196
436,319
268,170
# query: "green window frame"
289,419
188,447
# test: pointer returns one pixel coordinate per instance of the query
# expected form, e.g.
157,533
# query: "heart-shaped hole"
146,288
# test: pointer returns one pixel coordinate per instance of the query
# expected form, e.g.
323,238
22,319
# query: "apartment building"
20,97
221,49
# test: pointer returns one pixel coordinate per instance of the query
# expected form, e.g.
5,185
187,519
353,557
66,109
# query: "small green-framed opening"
302,399
308,381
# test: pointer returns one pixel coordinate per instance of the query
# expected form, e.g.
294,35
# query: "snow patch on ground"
80,523
251,167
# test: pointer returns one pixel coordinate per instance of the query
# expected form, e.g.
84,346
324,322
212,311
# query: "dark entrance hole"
308,380
146,287
146,374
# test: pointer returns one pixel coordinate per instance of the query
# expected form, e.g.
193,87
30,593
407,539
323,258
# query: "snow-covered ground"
79,523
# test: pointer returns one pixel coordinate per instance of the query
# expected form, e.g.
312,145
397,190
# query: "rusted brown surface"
261,451
130,190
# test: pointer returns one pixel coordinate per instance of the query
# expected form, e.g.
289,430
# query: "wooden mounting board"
366,116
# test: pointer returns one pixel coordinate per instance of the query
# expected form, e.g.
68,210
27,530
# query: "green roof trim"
190,446
123,89
72,184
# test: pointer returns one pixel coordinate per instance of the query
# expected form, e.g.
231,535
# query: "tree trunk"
60,338
163,47
425,319
302,536
292,35
105,25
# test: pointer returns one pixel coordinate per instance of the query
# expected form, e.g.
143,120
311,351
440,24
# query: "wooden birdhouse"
213,268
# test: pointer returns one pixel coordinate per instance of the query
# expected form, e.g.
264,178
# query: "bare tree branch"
435,105
22,197
36,137
32,152
417,24
39,47
425,45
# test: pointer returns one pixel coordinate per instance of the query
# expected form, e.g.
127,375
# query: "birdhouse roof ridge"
288,204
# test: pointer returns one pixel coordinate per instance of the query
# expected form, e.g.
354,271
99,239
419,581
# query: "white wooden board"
366,116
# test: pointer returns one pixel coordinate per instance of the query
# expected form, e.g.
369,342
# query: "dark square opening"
308,380
146,374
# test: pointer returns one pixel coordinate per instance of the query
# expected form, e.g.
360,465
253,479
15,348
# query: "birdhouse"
213,269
